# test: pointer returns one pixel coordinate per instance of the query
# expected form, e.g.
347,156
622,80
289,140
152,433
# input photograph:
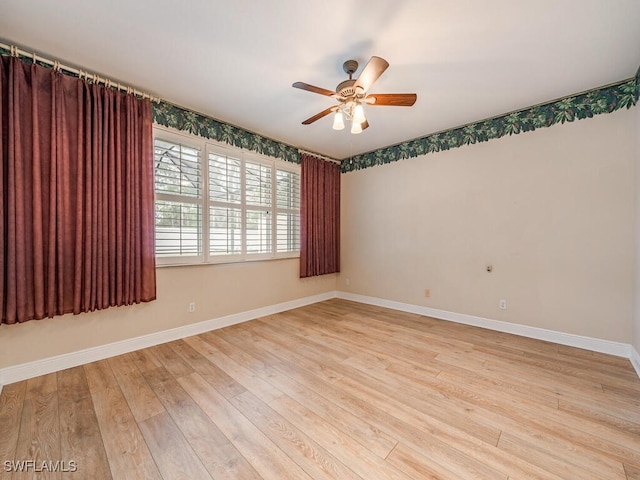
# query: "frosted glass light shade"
356,127
338,121
358,114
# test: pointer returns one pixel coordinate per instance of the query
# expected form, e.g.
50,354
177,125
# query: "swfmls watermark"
38,466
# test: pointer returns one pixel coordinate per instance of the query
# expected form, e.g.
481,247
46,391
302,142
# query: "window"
215,203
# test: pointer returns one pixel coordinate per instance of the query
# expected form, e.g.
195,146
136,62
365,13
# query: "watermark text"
40,466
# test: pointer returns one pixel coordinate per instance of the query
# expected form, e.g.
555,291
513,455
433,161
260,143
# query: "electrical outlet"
427,292
192,307
503,304
347,281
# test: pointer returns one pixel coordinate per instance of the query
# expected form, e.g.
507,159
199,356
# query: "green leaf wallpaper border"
170,115
624,94
637,84
576,107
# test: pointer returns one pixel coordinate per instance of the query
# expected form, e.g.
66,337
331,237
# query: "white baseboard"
16,373
588,343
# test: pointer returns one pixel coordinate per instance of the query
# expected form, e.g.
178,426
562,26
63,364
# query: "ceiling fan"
352,95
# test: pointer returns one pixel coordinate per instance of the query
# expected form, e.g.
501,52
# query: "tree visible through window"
216,203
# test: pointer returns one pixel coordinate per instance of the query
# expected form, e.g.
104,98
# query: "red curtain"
320,217
77,201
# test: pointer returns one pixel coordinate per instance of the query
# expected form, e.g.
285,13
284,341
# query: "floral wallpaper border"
577,107
624,94
170,115
637,79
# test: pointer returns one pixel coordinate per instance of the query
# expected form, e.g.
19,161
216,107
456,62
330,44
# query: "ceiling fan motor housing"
346,89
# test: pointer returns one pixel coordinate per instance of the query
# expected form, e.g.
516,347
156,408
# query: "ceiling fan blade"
391,99
372,71
318,116
313,89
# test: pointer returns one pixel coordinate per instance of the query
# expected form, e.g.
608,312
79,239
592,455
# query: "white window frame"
206,146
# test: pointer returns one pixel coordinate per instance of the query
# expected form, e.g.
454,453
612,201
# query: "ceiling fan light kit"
338,121
351,95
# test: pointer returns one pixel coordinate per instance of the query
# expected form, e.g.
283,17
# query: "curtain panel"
319,217
77,201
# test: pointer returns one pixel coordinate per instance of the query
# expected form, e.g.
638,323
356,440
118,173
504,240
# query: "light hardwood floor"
335,390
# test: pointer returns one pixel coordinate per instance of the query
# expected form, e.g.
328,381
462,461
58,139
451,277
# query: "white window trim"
206,146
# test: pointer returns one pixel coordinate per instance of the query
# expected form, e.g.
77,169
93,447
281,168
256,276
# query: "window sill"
227,262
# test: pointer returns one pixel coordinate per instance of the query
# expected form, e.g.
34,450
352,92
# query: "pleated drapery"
319,217
77,201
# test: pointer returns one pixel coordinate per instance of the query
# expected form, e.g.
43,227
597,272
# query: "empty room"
361,240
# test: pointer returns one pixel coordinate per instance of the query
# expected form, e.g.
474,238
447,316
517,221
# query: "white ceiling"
236,60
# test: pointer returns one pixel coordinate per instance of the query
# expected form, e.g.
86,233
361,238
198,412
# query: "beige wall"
551,210
218,290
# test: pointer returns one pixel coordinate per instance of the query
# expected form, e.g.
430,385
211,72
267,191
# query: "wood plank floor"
335,390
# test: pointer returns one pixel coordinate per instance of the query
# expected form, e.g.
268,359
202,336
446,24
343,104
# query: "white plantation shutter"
225,197
258,185
287,211
177,169
178,208
216,203
259,202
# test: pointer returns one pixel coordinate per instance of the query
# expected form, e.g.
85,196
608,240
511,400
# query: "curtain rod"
319,156
15,52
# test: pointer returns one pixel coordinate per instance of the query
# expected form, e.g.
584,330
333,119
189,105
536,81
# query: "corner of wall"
635,360
636,291
593,344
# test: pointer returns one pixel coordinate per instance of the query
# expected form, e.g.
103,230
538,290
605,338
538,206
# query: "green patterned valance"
172,116
601,100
